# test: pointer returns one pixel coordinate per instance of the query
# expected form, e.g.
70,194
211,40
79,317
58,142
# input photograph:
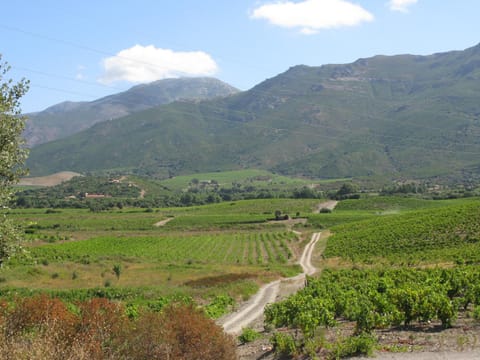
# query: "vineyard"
214,253
222,215
389,204
258,248
391,264
376,299
447,233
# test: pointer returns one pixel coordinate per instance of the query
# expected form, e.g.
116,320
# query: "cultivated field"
201,252
397,273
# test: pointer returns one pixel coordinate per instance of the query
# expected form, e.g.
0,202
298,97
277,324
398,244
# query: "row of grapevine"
418,235
227,248
379,298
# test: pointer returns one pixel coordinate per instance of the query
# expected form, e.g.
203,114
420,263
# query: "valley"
234,257
327,212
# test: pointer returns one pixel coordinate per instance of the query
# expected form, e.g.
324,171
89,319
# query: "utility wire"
255,90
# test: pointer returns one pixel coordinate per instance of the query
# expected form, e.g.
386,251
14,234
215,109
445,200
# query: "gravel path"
253,309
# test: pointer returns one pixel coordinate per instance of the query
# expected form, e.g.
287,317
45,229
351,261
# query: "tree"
117,269
12,154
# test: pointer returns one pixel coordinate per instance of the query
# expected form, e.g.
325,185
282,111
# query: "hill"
67,118
394,116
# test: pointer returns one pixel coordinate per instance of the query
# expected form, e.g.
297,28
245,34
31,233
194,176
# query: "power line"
254,90
210,105
66,78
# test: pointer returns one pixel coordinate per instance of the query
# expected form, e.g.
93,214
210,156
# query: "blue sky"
83,50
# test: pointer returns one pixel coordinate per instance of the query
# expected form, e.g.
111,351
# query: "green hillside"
392,116
68,118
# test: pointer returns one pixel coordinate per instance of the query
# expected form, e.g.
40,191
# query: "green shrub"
219,306
248,335
476,313
284,344
363,344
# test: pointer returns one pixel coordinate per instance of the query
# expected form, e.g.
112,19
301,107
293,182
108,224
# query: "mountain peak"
405,115
69,117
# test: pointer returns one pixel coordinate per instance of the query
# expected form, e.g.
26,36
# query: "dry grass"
50,180
44,328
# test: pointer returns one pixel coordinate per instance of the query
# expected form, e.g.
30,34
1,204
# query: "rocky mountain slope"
394,116
68,118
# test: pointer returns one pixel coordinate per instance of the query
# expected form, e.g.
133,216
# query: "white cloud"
147,63
310,16
401,5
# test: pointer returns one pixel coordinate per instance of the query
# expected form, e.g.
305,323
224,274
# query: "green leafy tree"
12,154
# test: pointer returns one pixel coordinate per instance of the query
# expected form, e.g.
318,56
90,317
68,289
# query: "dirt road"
330,205
253,309
163,222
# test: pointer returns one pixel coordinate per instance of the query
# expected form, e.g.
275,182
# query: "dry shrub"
39,327
180,332
43,345
39,313
43,328
101,322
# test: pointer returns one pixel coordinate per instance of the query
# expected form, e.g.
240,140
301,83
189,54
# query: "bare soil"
330,205
50,180
163,222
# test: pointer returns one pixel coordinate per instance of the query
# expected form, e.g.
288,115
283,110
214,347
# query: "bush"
248,335
284,344
40,313
219,306
179,332
476,313
363,344
41,327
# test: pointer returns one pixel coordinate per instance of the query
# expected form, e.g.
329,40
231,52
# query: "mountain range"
403,116
68,118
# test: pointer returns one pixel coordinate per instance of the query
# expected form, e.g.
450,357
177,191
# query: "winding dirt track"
253,309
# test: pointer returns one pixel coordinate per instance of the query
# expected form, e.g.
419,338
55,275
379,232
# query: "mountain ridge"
68,117
395,116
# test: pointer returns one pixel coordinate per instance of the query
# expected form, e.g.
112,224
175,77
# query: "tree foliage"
12,152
